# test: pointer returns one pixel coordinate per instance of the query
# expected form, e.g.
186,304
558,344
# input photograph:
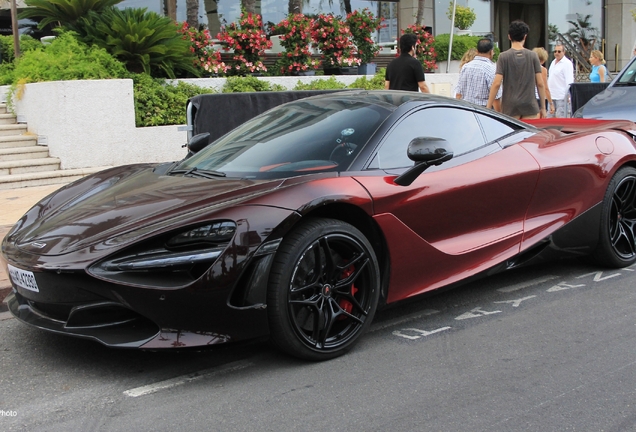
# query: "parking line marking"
393,323
174,382
523,285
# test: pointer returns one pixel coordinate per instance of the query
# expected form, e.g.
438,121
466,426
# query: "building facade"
608,23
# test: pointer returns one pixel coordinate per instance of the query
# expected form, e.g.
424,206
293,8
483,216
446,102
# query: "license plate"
23,279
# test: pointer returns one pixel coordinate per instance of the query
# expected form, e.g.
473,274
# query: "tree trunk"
192,13
420,12
347,6
295,6
249,6
211,10
170,9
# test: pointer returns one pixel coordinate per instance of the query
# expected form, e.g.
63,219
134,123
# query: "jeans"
560,106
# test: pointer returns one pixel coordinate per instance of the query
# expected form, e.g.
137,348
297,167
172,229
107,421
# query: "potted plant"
295,37
362,24
333,38
425,52
248,41
464,17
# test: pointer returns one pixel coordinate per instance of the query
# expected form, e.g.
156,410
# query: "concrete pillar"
620,30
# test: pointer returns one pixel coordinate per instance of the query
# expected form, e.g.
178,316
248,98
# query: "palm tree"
295,6
63,12
192,13
170,9
420,12
583,35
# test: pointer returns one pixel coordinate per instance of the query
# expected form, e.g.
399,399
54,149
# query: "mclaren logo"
38,245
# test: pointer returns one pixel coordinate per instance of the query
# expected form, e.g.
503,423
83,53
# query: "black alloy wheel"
324,289
617,243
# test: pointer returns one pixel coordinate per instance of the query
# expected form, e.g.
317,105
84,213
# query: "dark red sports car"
301,222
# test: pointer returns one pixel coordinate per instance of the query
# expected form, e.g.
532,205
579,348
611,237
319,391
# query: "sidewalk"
14,203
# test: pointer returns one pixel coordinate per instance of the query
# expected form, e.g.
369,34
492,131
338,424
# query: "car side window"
457,126
494,129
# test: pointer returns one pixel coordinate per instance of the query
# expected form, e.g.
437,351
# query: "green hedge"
461,44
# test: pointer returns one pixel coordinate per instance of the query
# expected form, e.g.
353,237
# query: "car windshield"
628,76
306,136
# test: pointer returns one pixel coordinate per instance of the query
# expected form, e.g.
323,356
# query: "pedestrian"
634,50
599,71
478,75
406,72
519,70
560,76
468,56
543,57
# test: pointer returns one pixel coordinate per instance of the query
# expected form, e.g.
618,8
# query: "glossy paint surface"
478,212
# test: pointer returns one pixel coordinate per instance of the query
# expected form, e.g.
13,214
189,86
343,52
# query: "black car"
617,100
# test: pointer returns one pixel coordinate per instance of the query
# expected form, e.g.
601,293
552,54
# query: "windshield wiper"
195,172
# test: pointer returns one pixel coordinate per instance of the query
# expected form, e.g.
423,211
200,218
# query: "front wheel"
323,290
617,240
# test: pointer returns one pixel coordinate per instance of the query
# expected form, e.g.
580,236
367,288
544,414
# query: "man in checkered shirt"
477,76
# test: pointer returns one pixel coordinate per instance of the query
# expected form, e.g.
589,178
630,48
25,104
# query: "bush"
375,83
144,41
320,84
7,52
158,103
461,44
64,59
248,84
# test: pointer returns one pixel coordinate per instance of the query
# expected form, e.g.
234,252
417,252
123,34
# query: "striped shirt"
475,80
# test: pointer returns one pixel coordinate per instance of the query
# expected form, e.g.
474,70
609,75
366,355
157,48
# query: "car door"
458,218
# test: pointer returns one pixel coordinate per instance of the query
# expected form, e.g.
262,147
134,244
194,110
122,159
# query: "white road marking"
476,313
523,285
422,333
427,312
174,382
516,303
598,276
563,286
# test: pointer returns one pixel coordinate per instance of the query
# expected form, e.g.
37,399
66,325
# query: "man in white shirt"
560,76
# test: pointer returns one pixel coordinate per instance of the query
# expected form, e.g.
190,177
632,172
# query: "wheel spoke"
316,273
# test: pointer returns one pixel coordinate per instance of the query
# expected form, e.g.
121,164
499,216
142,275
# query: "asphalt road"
547,348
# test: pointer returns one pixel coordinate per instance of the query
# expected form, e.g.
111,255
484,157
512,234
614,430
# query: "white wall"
91,123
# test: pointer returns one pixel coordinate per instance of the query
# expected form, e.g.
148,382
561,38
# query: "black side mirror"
198,143
425,152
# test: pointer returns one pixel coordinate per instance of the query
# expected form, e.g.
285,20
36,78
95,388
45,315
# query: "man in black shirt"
406,72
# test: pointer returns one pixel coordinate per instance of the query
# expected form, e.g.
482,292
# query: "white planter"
459,32
454,67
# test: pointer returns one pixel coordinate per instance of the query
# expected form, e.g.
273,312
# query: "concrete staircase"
24,163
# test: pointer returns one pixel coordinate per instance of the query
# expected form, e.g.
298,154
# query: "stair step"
45,177
23,166
7,119
17,153
12,129
9,141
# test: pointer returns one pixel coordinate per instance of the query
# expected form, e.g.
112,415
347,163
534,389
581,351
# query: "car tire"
323,289
617,239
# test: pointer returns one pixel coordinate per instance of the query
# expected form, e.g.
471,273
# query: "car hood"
614,102
123,202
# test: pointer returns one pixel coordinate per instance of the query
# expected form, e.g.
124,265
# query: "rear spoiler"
573,125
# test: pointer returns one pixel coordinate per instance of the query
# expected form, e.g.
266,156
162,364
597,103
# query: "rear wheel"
617,241
323,290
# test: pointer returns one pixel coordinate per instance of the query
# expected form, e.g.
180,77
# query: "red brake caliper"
345,304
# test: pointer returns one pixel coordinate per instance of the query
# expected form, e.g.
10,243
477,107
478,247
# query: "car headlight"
185,256
217,232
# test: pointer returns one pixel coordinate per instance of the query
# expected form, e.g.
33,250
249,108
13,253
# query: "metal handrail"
574,50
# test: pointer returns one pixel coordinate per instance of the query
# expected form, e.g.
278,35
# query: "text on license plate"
23,279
